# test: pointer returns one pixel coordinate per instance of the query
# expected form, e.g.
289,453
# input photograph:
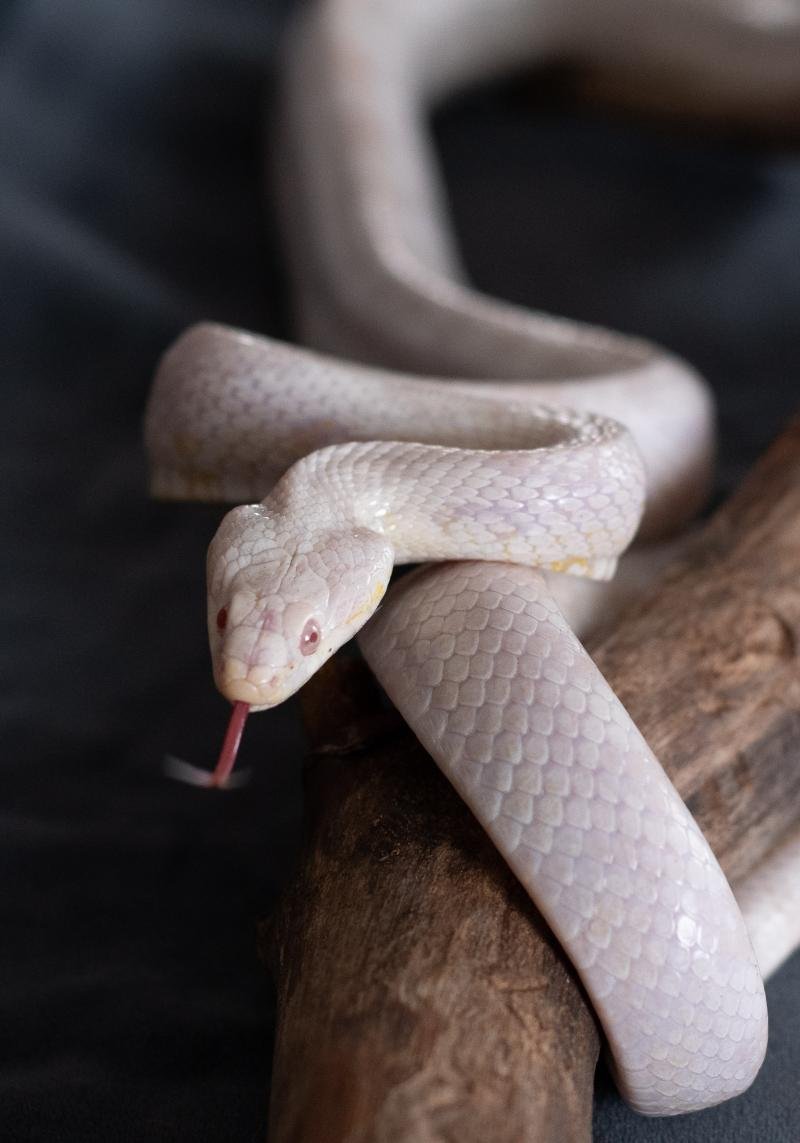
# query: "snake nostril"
222,618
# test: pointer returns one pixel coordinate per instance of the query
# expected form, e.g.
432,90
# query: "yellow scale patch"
368,607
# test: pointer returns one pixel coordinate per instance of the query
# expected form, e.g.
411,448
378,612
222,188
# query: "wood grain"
708,665
420,994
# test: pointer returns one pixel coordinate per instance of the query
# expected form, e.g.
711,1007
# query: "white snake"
369,469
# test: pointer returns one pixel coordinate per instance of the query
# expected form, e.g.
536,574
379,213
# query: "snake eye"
310,637
222,618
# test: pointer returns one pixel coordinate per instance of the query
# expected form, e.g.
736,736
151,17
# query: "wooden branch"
420,994
409,983
708,665
672,99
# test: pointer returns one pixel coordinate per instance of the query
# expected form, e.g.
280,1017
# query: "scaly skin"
477,656
480,662
320,548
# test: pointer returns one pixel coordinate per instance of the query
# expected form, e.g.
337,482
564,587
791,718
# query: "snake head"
280,602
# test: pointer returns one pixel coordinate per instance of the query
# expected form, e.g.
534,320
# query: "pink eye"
309,640
222,618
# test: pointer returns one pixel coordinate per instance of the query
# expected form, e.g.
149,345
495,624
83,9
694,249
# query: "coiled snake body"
476,655
502,484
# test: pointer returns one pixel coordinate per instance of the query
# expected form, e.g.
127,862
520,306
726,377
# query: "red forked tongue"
230,744
221,778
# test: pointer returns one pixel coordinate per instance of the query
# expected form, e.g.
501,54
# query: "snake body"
364,469
476,654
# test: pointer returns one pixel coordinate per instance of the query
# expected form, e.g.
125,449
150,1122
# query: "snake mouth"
260,689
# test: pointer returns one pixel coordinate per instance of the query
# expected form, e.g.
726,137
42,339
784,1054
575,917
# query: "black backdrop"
132,1004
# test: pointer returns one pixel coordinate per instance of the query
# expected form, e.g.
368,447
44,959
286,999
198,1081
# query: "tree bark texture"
421,996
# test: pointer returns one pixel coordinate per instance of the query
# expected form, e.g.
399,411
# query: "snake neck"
573,511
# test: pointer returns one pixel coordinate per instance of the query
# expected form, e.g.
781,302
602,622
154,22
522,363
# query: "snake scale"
505,490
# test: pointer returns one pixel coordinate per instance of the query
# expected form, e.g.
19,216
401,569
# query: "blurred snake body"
497,487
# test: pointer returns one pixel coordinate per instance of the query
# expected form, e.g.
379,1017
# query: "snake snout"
261,684
251,664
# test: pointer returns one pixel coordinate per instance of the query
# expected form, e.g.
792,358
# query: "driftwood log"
421,996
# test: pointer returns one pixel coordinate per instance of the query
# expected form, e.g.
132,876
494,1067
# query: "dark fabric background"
132,1003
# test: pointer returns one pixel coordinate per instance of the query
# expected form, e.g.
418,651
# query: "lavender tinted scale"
596,834
476,655
376,278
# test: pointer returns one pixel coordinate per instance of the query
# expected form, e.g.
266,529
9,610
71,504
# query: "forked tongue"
230,744
220,778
